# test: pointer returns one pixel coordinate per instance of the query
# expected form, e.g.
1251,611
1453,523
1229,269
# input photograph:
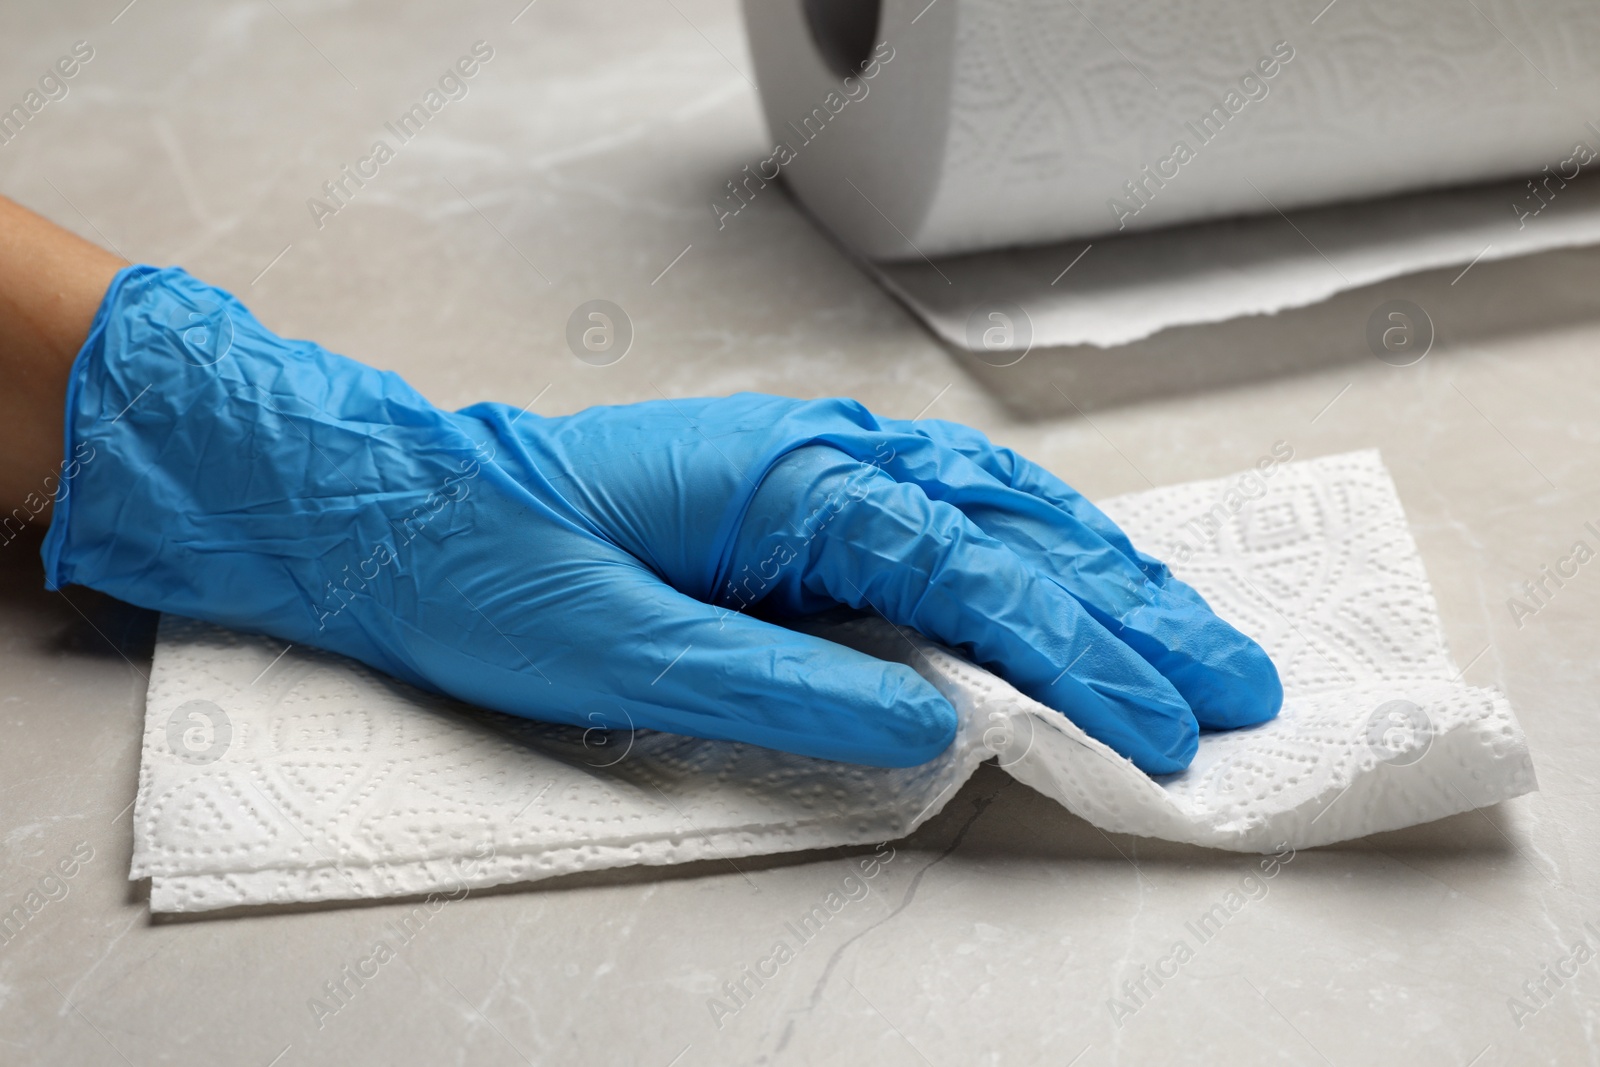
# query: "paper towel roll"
914,129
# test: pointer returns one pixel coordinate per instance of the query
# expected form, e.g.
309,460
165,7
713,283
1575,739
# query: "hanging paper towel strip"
977,125
280,777
1125,289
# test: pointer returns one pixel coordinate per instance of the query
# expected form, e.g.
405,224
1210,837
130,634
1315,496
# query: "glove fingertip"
1243,689
915,722
1257,694
1168,750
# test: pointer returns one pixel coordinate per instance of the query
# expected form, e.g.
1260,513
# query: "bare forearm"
51,282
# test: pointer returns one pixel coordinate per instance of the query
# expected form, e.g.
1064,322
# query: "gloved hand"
599,569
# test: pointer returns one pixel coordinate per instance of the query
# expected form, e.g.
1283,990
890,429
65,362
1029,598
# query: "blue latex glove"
598,569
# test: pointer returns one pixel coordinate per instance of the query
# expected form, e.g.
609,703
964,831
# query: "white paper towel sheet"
272,777
981,125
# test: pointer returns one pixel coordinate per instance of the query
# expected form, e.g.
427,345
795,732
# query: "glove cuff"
74,452
218,471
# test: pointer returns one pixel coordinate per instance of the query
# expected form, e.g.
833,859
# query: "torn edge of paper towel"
1116,290
286,777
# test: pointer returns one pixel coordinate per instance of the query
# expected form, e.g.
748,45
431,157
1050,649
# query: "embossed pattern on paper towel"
1059,105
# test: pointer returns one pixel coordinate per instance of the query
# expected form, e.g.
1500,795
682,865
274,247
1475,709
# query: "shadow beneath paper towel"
941,835
1027,827
1492,299
994,823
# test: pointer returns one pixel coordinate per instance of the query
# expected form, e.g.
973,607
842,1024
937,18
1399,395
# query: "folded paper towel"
280,776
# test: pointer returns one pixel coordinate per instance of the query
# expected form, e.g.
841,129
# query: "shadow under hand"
73,620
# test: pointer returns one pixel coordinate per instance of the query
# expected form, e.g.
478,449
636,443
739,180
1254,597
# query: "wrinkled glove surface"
608,568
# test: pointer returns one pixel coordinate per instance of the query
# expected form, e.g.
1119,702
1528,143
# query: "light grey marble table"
580,164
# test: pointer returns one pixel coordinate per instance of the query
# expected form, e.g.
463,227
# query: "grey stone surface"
580,166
